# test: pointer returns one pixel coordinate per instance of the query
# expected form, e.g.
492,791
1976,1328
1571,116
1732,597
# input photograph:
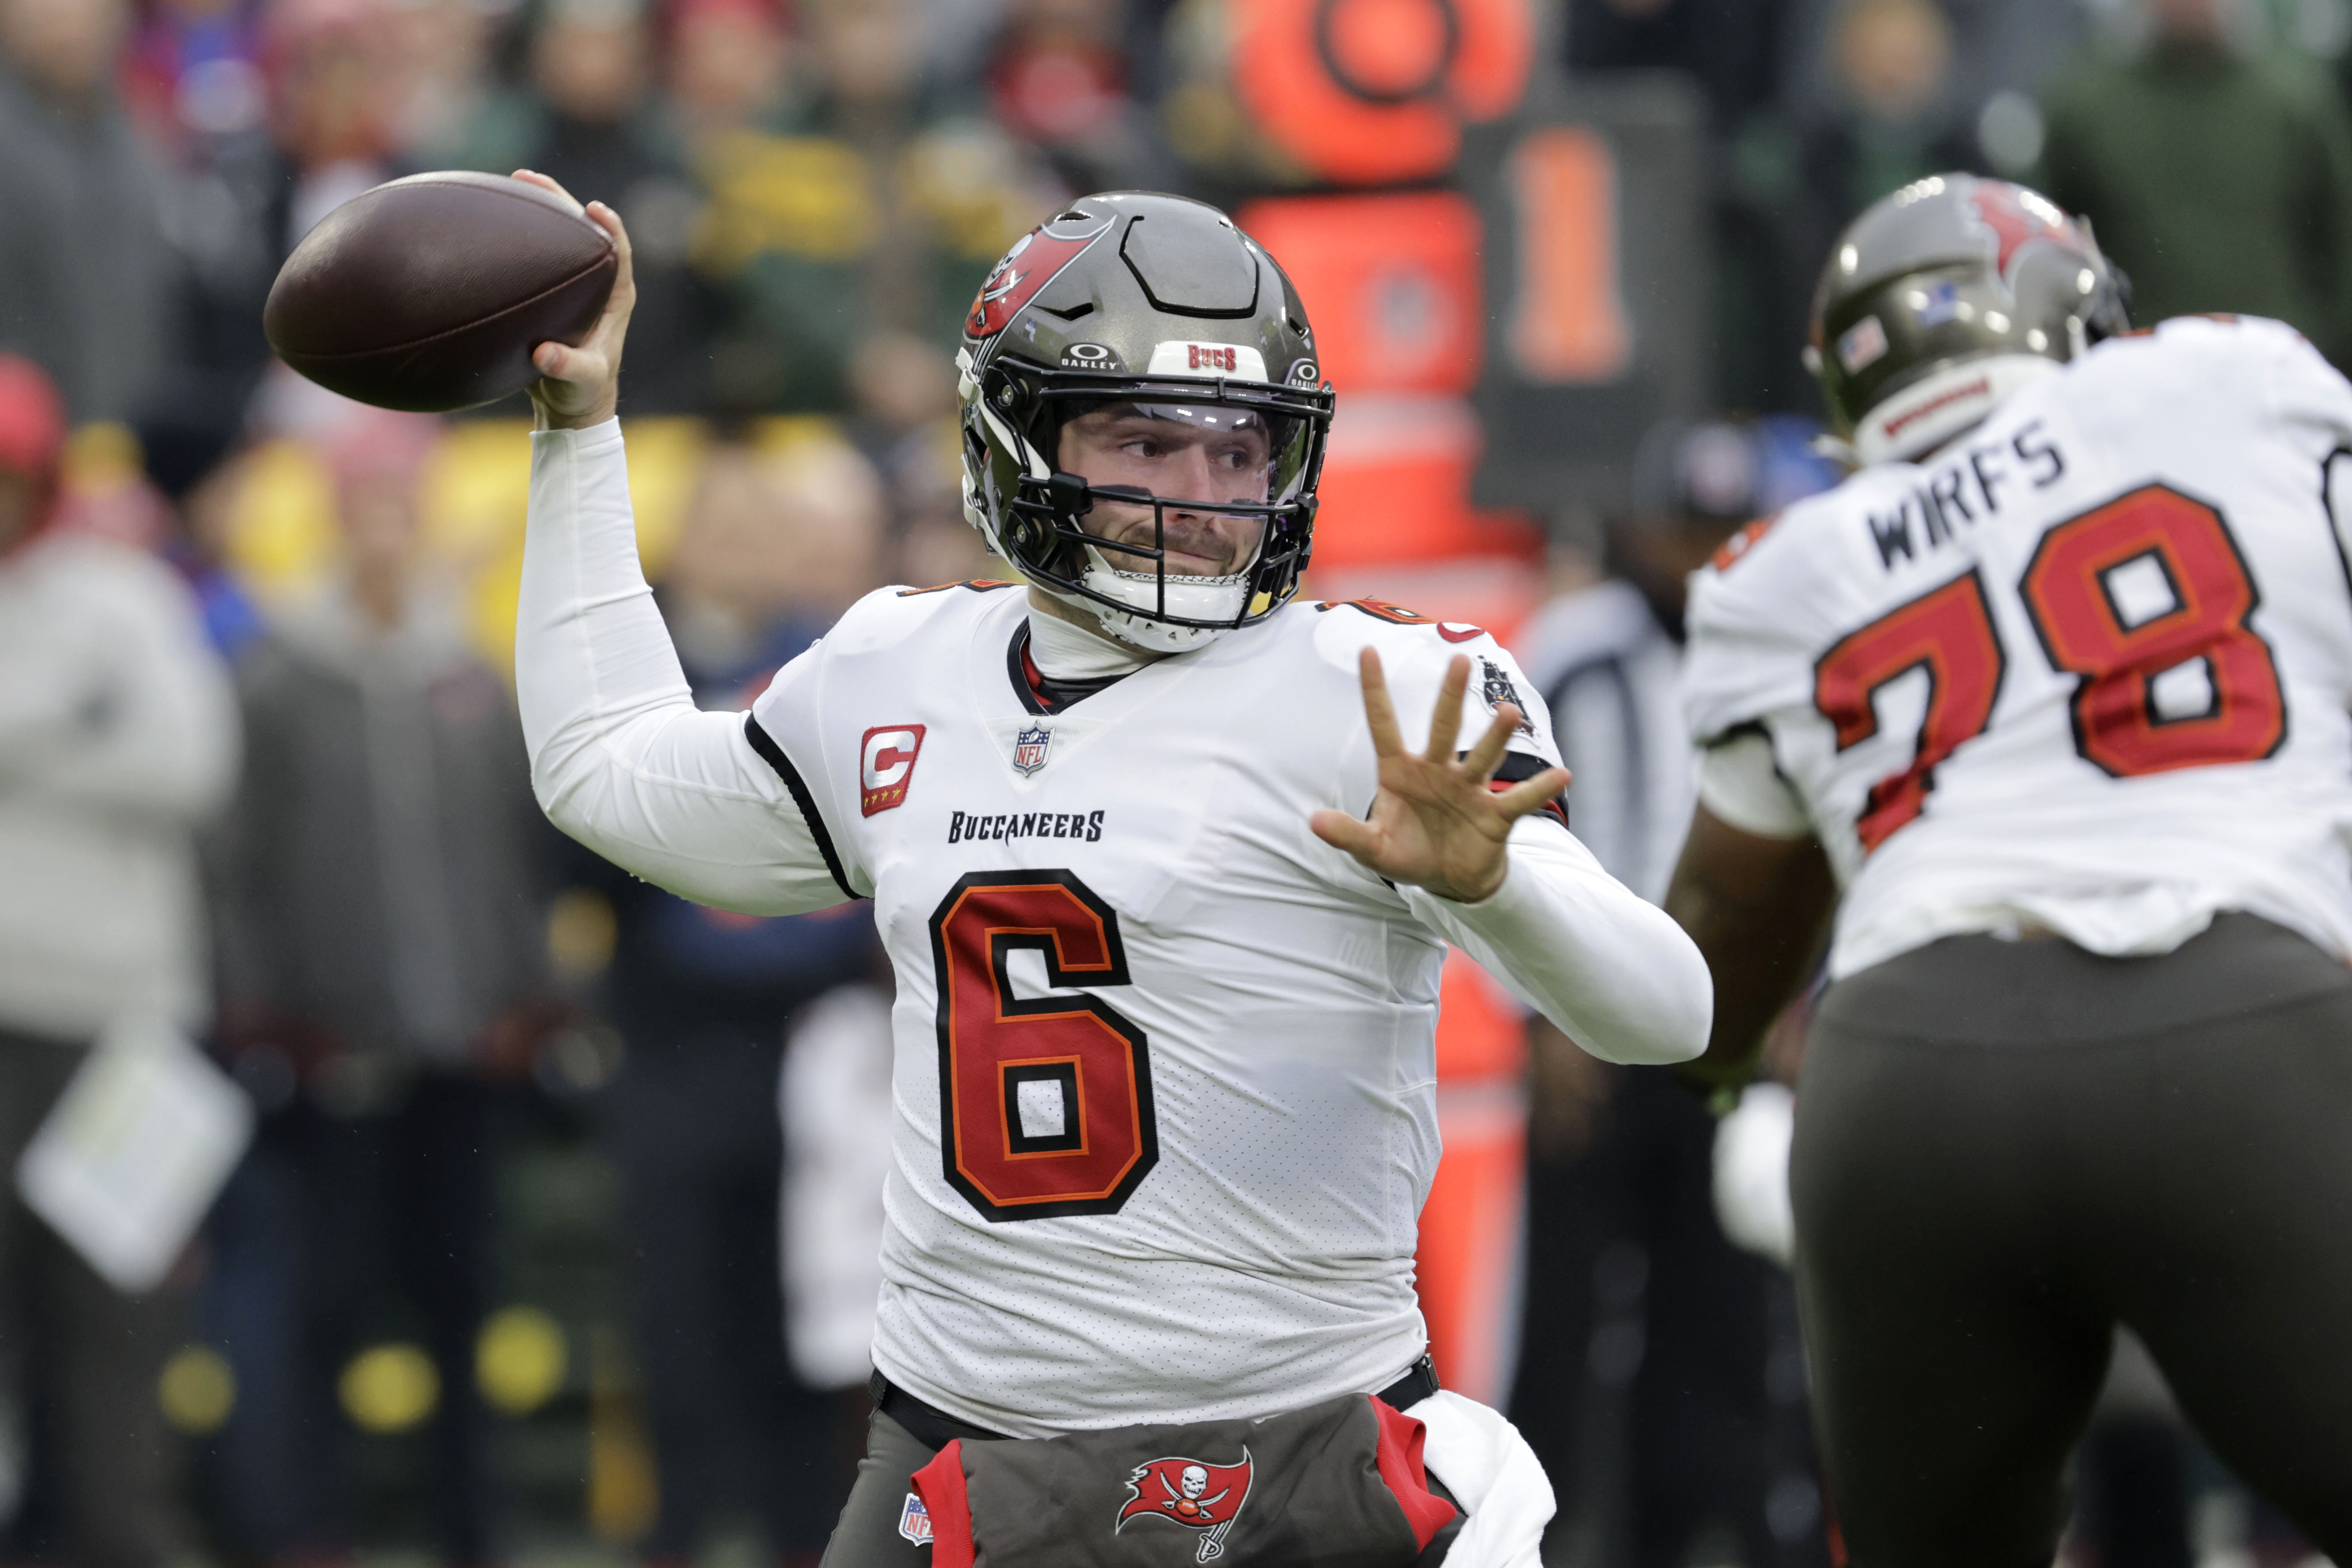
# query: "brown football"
429,293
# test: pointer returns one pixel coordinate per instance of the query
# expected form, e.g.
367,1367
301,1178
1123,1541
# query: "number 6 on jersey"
1045,1104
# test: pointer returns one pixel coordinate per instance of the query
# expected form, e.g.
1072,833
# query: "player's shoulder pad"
1415,651
2289,365
1753,625
2188,350
968,585
1777,554
2212,331
1406,639
887,616
2206,369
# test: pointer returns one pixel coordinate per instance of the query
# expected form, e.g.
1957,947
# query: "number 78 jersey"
2087,668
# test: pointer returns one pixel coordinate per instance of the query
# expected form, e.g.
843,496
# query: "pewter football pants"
2003,1150
868,1535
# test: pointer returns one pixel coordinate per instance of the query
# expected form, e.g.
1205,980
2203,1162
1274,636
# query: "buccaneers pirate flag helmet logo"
1189,1492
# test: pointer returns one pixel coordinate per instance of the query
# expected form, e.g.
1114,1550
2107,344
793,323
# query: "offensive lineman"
1165,892
2056,690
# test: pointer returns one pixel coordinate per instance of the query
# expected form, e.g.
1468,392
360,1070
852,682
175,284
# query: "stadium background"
1551,251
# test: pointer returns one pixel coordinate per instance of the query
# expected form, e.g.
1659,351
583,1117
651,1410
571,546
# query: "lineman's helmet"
1160,307
1943,298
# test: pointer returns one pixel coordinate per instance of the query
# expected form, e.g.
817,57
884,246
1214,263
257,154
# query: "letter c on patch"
886,760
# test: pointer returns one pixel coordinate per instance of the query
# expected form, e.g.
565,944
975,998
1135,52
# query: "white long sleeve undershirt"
623,761
1610,968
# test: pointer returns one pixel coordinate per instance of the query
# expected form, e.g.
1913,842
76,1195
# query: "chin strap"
1126,605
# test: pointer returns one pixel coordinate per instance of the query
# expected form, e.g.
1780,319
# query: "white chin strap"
1928,412
1193,598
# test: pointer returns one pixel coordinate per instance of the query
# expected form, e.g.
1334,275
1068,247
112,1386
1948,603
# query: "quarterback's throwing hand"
1435,822
581,386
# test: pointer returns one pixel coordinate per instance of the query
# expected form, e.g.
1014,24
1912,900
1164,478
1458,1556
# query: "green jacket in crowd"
2219,184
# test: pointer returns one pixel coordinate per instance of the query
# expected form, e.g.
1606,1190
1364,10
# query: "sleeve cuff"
589,438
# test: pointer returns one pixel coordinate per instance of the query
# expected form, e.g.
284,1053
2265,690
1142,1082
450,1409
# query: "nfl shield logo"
1029,749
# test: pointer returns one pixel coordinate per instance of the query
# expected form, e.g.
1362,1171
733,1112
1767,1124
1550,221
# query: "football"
429,293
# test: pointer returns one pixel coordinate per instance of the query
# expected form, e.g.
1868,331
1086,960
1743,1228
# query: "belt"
935,1428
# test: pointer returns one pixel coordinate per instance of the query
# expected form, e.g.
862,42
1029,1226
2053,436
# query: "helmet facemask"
1161,565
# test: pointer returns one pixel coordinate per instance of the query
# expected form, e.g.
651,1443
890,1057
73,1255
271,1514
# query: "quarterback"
1164,885
2055,690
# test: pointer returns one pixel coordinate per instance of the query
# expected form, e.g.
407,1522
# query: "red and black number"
1007,1065
2069,595
2068,590
1946,631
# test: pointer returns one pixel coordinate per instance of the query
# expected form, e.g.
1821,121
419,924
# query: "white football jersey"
1164,1096
1164,1087
2087,669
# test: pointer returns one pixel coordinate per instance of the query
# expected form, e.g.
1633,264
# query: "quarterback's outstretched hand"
581,386
1435,823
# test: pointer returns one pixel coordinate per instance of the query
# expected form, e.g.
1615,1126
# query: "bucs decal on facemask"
1192,1493
1028,267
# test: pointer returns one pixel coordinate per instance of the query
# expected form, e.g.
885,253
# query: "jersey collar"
1040,693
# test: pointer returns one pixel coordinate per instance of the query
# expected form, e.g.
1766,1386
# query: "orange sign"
1570,321
1391,283
1371,92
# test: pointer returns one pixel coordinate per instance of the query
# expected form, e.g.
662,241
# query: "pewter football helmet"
1941,300
1133,298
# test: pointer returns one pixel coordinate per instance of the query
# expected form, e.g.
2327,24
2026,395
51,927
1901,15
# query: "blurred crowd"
505,1253
812,187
